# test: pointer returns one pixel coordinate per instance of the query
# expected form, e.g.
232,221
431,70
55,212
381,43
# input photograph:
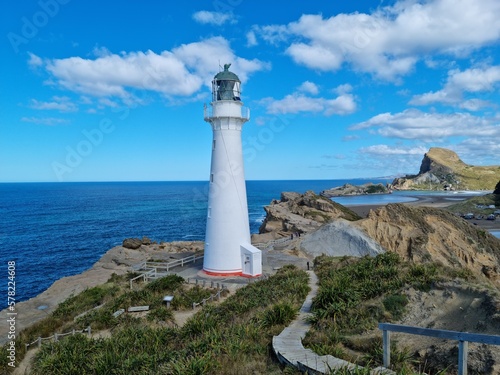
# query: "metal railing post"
386,339
463,348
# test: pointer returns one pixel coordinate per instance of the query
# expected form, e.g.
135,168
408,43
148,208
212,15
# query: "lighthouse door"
248,266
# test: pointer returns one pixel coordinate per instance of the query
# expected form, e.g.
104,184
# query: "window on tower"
213,145
211,177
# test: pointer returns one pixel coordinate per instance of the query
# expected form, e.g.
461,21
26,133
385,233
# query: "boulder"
132,243
340,238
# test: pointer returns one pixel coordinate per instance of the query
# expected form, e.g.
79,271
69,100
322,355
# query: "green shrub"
161,313
395,304
279,314
165,284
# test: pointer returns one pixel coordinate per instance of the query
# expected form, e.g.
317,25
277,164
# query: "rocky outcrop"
443,169
340,238
132,243
421,234
497,189
135,243
417,233
302,213
349,189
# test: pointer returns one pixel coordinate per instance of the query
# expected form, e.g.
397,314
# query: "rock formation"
301,213
418,234
443,169
497,189
421,234
340,238
349,189
132,243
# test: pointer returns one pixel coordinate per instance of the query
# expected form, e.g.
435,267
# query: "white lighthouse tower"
227,240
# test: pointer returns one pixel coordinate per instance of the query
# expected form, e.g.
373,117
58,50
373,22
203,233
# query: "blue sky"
114,91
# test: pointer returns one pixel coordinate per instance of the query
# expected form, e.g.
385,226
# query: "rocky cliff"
349,189
421,234
442,168
418,234
302,213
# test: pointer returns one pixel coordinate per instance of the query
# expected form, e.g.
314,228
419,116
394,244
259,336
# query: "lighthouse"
227,240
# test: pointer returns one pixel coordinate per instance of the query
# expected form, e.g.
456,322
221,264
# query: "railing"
57,336
151,268
463,339
208,113
212,297
204,283
166,265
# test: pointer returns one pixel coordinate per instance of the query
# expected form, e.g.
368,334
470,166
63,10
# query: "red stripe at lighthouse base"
229,273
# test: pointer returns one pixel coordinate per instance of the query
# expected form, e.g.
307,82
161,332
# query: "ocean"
52,230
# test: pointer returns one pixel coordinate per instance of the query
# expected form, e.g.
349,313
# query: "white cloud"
251,39
213,18
297,102
273,34
59,103
479,151
385,150
388,42
309,88
341,105
343,89
105,102
34,61
436,127
49,121
180,72
458,83
101,51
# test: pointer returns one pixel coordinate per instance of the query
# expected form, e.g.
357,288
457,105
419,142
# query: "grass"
231,337
95,306
470,205
355,295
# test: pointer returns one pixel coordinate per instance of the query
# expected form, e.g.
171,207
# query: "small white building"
227,240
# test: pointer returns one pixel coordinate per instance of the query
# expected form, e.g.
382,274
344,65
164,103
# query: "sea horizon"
52,230
194,180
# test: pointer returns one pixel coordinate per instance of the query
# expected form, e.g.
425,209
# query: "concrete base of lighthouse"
251,263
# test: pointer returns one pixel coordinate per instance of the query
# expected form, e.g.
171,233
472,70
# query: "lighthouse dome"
226,75
226,85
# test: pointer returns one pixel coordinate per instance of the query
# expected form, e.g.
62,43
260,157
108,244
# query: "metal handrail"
463,339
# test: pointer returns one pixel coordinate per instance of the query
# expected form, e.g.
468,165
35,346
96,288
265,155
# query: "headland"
119,259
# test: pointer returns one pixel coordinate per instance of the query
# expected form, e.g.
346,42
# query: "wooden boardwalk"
289,349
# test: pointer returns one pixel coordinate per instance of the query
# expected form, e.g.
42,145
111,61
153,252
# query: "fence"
56,337
463,339
209,299
166,265
152,268
204,283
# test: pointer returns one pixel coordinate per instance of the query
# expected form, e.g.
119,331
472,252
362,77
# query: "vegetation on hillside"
450,169
477,205
227,338
355,295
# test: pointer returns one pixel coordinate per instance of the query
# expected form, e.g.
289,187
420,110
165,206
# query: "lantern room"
226,86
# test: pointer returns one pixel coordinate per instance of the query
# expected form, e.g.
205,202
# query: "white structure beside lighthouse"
227,240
